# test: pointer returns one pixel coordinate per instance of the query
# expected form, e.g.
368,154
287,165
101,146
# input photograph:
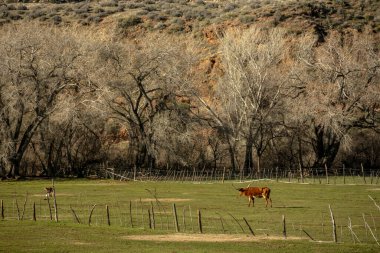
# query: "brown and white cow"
256,192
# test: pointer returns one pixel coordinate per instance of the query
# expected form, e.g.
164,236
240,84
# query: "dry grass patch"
205,238
80,243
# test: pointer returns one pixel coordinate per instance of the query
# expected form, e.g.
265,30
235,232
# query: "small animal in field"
49,191
256,192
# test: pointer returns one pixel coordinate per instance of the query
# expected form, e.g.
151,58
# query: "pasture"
142,217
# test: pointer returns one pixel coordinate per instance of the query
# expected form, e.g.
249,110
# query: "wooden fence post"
149,219
51,214
344,174
153,218
18,211
200,221
333,224
24,207
2,210
374,202
75,215
311,238
142,212
184,218
242,229
89,217
352,231
249,227
34,211
221,222
108,216
55,201
373,235
175,218
130,213
366,231
191,219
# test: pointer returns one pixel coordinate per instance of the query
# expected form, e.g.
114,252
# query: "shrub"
212,6
57,20
95,19
178,21
278,18
11,7
142,13
174,28
129,22
84,22
247,19
152,15
121,7
22,8
160,26
15,17
134,5
3,21
230,7
150,8
177,13
83,9
37,13
108,3
149,2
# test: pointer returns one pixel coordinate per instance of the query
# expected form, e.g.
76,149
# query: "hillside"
197,17
172,84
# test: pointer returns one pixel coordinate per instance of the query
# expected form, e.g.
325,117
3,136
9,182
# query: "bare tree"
142,79
37,66
336,89
251,87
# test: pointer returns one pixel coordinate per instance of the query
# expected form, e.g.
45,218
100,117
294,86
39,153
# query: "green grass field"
305,206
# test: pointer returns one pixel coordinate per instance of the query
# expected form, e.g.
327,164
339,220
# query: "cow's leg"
249,201
267,201
253,201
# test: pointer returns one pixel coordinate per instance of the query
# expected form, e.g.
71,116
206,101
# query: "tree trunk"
326,146
16,157
231,151
248,161
259,163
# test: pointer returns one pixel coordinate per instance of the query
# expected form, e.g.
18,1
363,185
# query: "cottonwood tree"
37,66
251,88
140,80
336,89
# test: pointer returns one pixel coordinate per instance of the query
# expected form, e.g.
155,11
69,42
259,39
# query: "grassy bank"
305,207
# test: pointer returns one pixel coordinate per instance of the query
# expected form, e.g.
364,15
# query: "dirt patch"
205,238
80,243
170,200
